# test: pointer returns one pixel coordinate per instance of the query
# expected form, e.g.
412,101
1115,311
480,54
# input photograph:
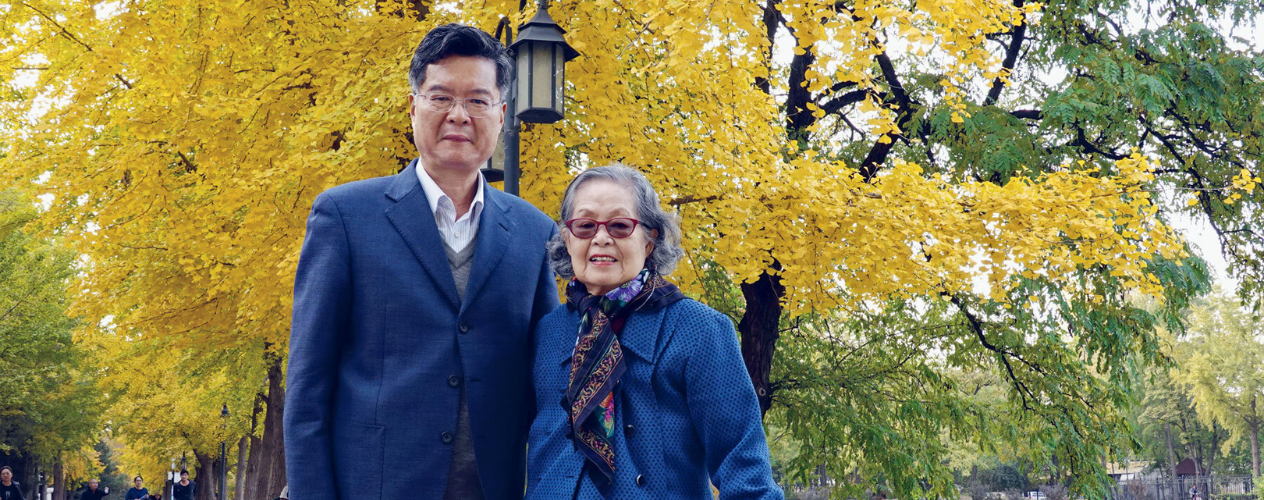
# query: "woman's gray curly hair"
667,251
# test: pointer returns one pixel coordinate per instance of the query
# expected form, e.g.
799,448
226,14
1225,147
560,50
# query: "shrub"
1054,492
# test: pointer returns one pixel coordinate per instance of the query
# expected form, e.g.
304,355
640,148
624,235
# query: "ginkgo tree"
50,414
1222,367
828,158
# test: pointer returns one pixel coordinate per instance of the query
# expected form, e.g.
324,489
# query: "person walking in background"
409,371
184,489
9,489
138,491
641,392
94,491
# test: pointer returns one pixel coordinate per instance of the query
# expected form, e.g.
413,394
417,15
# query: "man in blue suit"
416,294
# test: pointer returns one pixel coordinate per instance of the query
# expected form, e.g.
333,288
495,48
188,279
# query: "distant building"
1130,470
1187,467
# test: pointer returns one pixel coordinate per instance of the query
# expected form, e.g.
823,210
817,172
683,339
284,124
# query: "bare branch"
1011,58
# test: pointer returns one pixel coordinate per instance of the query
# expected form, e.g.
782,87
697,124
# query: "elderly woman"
640,392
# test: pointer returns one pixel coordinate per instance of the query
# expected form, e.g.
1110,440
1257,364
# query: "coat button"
465,328
640,480
629,430
446,437
454,381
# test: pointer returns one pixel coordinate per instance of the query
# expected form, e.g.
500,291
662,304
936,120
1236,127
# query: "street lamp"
172,475
223,457
540,54
538,93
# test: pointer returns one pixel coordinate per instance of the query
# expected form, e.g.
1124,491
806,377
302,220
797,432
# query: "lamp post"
171,479
223,457
538,93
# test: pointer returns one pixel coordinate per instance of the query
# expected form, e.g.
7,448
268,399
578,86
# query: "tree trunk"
266,472
59,480
30,475
252,461
1255,447
207,475
240,468
1212,450
760,328
1171,450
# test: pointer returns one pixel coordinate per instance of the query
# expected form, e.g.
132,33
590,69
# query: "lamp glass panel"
542,75
559,80
524,78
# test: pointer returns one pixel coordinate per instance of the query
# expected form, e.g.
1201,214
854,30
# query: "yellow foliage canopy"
184,141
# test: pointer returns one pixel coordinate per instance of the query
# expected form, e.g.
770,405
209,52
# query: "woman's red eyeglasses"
618,227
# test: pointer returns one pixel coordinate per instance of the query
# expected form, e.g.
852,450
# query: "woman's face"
602,262
6,475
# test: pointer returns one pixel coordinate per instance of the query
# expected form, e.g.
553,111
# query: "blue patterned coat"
686,413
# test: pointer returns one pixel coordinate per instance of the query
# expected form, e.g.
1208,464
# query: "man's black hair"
184,471
460,40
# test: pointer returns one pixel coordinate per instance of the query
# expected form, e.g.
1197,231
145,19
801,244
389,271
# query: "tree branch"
683,200
904,113
844,100
188,165
771,20
1011,57
976,326
1028,114
66,33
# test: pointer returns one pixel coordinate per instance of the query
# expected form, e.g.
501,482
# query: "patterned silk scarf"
597,362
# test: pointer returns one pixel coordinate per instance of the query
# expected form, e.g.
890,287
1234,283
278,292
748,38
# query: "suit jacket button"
629,430
446,437
454,381
465,328
640,480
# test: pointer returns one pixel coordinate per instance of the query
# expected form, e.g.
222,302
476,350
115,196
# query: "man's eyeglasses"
618,227
439,102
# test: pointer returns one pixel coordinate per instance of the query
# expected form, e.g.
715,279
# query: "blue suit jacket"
685,414
379,344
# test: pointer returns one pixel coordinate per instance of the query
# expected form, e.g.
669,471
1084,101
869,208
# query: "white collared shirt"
457,233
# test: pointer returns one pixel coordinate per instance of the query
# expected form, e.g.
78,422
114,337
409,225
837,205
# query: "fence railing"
1182,488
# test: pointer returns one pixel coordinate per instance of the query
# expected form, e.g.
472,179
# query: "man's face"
140,483
184,476
454,141
6,475
92,484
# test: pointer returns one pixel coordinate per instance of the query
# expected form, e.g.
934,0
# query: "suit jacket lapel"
494,231
412,217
